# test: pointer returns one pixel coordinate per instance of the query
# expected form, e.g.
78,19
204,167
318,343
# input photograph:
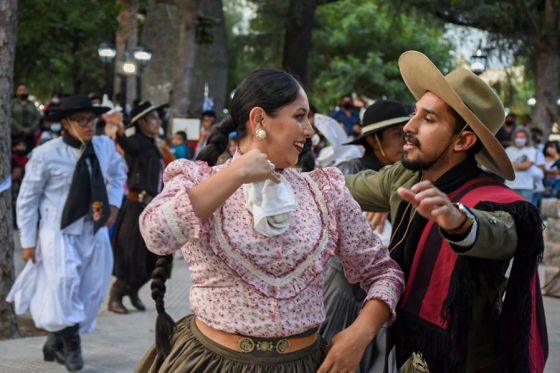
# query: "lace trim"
270,280
169,215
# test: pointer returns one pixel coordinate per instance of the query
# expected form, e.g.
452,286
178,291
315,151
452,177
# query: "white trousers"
73,273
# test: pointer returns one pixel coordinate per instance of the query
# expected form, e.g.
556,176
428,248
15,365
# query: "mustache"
411,139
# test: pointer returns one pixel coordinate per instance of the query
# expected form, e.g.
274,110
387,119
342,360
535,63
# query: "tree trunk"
548,65
8,34
126,41
297,39
159,34
185,58
211,65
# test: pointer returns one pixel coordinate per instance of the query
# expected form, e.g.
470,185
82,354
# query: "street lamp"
132,66
107,53
479,60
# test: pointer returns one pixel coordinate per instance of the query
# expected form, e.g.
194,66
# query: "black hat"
144,108
74,104
380,115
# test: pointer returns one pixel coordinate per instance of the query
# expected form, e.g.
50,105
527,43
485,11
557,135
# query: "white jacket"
46,184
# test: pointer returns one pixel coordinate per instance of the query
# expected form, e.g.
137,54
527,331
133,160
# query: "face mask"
24,96
56,127
520,142
160,131
21,152
509,122
347,105
55,100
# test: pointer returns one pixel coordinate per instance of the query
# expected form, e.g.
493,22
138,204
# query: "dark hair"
460,124
208,113
165,326
266,88
183,135
551,142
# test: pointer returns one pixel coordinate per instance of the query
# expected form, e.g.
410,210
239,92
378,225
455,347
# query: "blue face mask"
56,127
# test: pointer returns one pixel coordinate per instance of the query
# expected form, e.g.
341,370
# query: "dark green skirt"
192,351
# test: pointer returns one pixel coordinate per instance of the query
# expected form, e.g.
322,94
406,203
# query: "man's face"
347,102
21,90
80,125
150,123
428,134
207,122
392,142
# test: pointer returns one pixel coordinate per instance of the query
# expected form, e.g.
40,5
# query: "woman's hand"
345,351
254,166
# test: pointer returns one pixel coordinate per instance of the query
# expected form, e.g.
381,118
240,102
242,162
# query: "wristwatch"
463,228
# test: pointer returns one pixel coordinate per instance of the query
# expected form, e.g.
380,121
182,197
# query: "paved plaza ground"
120,341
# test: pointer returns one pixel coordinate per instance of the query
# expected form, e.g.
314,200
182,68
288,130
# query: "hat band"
387,122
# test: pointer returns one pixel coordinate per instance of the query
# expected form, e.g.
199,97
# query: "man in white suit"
70,194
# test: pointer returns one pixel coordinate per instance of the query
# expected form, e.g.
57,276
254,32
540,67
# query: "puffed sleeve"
169,221
363,256
27,205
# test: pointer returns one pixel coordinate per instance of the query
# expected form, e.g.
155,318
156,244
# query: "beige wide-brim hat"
470,97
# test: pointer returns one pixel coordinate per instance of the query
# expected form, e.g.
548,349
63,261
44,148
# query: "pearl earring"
260,134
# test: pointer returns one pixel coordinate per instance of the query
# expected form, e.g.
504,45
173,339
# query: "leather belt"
139,196
244,344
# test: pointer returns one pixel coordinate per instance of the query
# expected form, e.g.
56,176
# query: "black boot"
72,348
118,291
52,350
135,299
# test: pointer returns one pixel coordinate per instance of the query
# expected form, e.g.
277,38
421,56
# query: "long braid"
165,326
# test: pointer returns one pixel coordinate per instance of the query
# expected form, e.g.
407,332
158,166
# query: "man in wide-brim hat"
146,155
455,229
381,136
71,192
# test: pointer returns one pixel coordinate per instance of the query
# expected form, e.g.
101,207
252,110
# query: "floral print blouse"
250,284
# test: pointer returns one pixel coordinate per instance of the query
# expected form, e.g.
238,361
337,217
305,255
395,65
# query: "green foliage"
254,43
57,45
356,47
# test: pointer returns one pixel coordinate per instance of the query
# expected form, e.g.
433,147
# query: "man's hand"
29,253
433,204
112,217
377,220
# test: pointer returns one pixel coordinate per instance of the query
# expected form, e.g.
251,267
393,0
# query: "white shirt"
46,184
523,179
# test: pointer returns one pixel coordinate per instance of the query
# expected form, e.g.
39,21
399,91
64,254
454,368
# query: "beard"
422,164
417,165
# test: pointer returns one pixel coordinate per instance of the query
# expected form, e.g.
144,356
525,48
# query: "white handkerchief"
271,204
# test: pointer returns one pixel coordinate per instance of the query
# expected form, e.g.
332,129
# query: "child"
179,145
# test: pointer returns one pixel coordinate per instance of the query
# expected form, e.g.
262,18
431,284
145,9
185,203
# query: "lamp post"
133,64
479,60
107,53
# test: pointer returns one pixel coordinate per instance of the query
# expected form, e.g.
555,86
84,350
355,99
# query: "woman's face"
286,132
551,149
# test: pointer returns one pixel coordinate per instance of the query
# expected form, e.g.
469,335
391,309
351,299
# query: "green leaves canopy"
57,45
357,45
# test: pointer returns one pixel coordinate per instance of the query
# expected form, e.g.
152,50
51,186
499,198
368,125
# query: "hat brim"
370,129
58,115
421,75
146,112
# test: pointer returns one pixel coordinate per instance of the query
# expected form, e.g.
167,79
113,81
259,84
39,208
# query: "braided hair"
269,89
